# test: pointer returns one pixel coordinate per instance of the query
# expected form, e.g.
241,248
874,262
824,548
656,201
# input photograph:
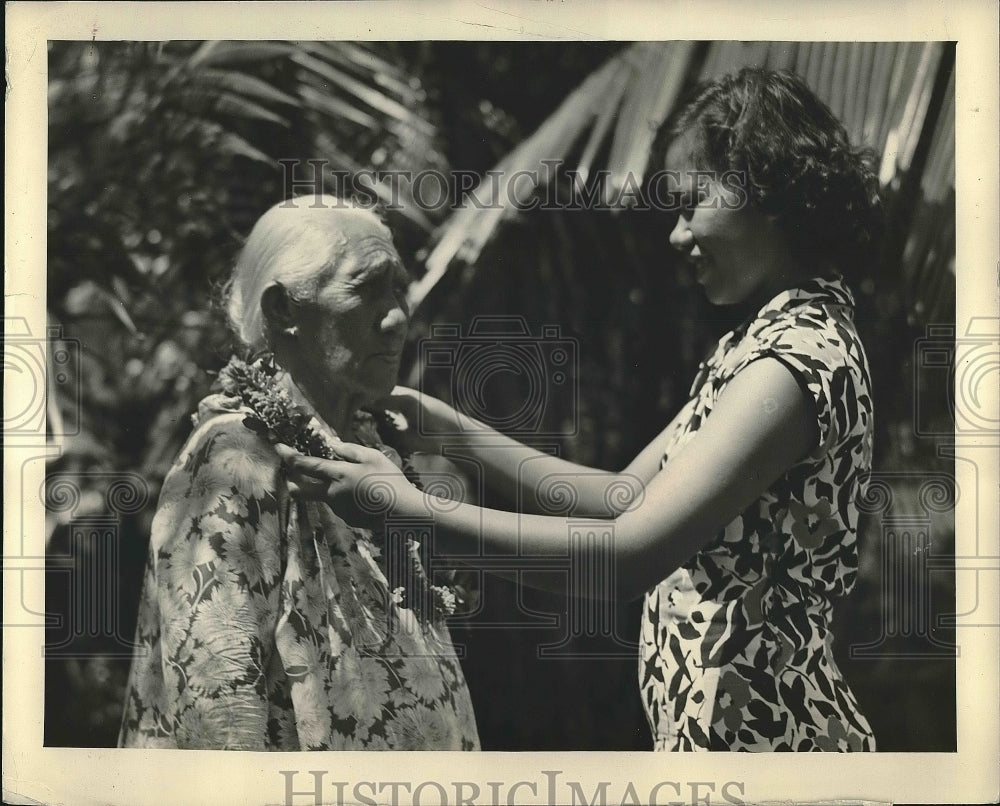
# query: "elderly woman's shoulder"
223,436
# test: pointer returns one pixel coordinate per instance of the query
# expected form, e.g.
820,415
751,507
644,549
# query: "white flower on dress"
424,677
223,617
302,659
215,525
200,727
214,669
312,719
377,742
252,553
418,728
149,728
180,566
171,679
247,462
175,619
203,493
148,683
287,738
359,687
242,718
310,597
236,505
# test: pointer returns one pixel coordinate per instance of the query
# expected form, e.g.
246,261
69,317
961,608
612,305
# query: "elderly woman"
269,624
743,528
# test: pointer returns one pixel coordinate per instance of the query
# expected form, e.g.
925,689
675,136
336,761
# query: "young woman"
741,529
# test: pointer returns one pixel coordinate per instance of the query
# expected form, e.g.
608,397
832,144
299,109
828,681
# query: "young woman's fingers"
287,454
312,465
349,452
305,488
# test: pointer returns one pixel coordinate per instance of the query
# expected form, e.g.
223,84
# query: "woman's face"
735,249
351,334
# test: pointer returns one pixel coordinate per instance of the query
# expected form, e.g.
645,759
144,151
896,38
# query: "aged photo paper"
36,773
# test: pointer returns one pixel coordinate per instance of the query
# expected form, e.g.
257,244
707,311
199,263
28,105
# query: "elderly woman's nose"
396,318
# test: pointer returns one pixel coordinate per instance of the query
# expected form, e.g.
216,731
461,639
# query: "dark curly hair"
795,158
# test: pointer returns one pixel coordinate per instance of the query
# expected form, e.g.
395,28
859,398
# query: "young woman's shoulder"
819,344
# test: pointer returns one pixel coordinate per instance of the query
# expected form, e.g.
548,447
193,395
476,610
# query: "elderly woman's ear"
276,306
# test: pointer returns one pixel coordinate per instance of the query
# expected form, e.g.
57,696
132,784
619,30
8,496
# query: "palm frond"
881,92
220,52
371,97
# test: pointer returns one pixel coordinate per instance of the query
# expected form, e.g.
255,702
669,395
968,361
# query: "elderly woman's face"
351,334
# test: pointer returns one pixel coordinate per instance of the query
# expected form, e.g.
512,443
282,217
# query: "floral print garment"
735,649
267,624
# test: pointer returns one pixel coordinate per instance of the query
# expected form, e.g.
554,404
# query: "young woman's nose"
681,237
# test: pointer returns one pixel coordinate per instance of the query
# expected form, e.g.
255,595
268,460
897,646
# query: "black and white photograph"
552,390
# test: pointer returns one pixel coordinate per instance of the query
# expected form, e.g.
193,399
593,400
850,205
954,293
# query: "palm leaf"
605,116
239,83
233,144
238,106
802,53
220,52
373,98
878,94
658,92
355,58
468,229
838,82
336,107
781,56
861,87
918,101
939,175
815,65
881,92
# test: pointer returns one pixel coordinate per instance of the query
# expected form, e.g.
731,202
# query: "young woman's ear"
276,306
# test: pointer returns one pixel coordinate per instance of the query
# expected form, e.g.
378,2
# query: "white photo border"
33,773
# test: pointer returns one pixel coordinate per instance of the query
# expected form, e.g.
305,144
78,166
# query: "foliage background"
161,156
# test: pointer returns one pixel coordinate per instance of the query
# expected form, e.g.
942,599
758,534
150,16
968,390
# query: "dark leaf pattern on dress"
778,688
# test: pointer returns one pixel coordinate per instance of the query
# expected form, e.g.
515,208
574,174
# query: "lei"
274,415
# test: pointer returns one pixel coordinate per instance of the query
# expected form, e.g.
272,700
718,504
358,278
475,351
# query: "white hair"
293,243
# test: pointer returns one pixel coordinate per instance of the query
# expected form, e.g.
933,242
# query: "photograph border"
33,773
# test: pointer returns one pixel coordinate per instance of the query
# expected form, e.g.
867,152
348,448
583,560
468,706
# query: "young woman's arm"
761,426
529,478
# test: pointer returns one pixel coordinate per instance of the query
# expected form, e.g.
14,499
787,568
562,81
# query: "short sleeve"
210,603
817,356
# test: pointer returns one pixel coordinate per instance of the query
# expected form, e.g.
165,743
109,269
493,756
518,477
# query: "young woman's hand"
361,485
422,419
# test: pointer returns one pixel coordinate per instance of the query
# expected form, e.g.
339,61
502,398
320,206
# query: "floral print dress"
736,645
269,624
